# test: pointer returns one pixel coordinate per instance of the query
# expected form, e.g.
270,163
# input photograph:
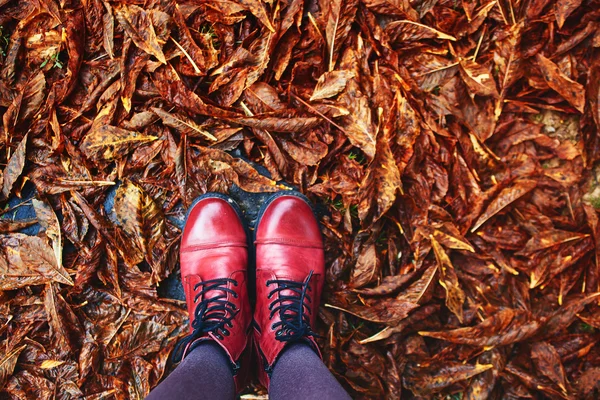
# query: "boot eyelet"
233,307
235,283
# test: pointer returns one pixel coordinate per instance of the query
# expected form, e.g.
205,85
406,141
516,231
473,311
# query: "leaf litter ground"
453,147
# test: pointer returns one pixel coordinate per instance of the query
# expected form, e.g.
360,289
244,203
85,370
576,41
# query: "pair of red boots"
289,280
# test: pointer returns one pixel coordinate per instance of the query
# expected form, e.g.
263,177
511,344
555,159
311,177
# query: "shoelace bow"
212,314
294,322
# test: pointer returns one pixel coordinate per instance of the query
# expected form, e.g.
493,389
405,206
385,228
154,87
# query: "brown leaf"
367,267
8,361
409,31
136,22
13,170
48,220
416,292
26,104
53,179
547,362
503,199
478,78
330,84
171,88
549,238
28,260
380,184
257,8
564,8
183,124
133,60
389,285
387,311
277,124
338,16
504,327
108,30
106,142
7,226
455,296
63,322
423,381
139,216
570,90
358,124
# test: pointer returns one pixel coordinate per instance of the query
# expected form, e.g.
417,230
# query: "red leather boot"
290,270
214,270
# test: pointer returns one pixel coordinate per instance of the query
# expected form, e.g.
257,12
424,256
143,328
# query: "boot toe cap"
290,219
212,220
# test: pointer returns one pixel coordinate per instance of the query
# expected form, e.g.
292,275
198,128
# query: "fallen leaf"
136,22
14,169
331,84
571,91
503,199
455,296
108,142
504,327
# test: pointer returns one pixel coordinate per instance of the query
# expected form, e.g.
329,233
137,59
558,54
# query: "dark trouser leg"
300,374
205,373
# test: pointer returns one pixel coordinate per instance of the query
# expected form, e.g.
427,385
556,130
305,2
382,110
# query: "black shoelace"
294,321
212,314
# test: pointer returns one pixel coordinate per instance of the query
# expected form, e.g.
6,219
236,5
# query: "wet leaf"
410,31
387,311
136,22
338,15
28,260
547,362
108,142
455,296
564,8
183,124
48,220
505,327
139,216
503,199
330,84
478,78
425,381
571,91
13,170
8,361
380,185
450,149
